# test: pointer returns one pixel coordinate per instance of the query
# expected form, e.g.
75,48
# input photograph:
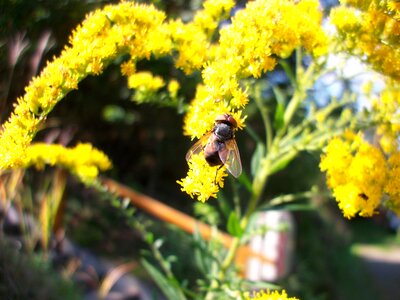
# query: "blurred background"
333,258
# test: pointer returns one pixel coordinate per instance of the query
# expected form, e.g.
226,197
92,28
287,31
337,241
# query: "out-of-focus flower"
83,160
145,81
371,30
357,173
274,295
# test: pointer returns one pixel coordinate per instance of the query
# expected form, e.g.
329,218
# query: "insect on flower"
219,145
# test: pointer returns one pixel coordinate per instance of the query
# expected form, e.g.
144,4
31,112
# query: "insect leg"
216,173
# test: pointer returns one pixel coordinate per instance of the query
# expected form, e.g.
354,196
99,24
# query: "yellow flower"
83,160
208,18
202,181
173,87
126,28
392,186
202,113
370,29
248,47
192,44
128,68
357,173
386,115
145,81
275,295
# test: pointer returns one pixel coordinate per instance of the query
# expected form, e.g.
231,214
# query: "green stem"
290,198
258,186
265,117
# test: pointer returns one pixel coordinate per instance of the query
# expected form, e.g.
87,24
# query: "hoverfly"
219,145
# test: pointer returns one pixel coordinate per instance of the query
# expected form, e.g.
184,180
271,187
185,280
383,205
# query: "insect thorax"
223,132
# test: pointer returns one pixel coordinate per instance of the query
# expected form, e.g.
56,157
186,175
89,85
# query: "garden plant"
338,101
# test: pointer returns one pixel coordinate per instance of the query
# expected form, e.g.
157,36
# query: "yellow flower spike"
192,43
369,29
239,99
392,186
104,34
145,81
268,295
83,160
214,10
202,112
357,173
202,181
248,47
173,87
128,68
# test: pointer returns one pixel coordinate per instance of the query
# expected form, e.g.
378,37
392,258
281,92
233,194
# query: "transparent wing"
231,158
198,146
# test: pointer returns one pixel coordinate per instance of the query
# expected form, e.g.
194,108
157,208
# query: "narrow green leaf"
233,226
166,286
289,73
282,165
280,108
149,237
283,162
250,284
288,207
278,119
256,158
245,181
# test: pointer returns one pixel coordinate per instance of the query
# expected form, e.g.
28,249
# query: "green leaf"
149,237
280,108
250,284
234,225
207,213
169,289
279,116
288,207
223,204
201,254
283,162
289,73
256,158
245,181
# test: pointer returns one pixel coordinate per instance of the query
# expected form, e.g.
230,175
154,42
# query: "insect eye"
232,121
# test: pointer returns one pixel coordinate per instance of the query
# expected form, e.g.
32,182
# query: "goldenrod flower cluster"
104,34
127,28
360,176
370,29
202,180
275,295
386,115
173,88
193,40
145,81
248,47
83,160
357,172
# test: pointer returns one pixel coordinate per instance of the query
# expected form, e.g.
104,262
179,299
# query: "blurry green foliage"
30,276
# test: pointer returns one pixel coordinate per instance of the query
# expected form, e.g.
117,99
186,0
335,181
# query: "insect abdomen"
213,159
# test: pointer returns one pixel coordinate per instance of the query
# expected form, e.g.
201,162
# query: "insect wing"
198,146
231,158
